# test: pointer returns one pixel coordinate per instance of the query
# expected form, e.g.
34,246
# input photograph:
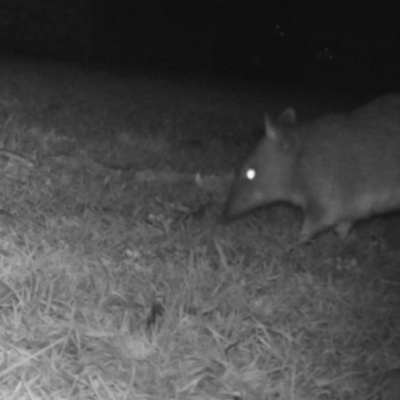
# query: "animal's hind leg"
342,229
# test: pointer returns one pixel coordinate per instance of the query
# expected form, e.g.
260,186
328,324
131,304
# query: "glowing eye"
250,174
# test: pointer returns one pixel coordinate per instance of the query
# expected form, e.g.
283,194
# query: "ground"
118,281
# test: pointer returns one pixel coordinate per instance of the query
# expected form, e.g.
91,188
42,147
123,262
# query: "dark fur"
337,169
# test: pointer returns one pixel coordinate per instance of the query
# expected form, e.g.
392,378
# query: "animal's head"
265,176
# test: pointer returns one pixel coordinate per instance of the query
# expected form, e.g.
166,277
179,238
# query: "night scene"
200,200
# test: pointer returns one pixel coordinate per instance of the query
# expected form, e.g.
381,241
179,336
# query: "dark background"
291,41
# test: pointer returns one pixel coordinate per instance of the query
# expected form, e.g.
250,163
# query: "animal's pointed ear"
288,117
270,129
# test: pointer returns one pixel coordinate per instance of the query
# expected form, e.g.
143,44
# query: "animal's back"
352,162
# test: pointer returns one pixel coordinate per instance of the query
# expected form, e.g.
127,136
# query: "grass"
116,280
